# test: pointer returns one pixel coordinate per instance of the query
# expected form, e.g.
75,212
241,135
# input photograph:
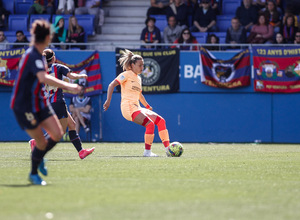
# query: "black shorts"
60,109
30,120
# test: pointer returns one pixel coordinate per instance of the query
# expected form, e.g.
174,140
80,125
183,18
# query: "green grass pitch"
209,181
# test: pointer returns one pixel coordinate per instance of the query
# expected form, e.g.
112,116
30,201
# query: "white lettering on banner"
189,71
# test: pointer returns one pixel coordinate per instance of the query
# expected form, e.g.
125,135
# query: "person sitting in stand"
279,39
273,15
75,33
247,14
158,7
21,38
288,29
39,7
3,41
180,11
236,34
172,31
80,107
185,38
150,34
3,16
204,18
212,39
60,33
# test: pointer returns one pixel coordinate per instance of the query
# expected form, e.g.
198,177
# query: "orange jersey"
131,88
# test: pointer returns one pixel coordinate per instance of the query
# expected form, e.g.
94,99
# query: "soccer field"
209,181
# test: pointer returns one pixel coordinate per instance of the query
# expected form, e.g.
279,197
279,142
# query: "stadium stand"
223,22
161,21
200,37
18,22
87,22
9,5
229,7
22,6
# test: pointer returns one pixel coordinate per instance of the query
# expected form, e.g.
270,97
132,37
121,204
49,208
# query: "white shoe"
148,153
167,152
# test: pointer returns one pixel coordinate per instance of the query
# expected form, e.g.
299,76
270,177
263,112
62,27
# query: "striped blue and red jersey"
58,71
27,93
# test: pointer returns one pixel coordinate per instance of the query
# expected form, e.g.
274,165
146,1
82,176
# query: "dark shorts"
30,120
60,109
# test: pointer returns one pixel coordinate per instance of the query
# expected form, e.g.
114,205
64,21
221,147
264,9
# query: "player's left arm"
72,75
144,102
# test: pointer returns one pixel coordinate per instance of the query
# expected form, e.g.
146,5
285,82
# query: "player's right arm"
52,81
110,91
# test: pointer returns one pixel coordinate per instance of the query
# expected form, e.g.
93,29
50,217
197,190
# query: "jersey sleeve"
64,70
37,65
122,77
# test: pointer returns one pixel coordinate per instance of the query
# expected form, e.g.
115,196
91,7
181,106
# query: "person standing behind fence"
32,111
131,97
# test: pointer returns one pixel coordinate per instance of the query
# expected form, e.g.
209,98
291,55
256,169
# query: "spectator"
279,39
273,15
80,108
3,41
92,7
259,4
297,37
192,6
76,33
247,14
60,33
212,39
180,11
38,7
262,32
21,38
288,29
158,7
236,34
204,18
150,34
172,31
185,38
65,7
3,16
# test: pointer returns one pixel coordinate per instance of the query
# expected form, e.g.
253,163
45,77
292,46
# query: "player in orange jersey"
131,96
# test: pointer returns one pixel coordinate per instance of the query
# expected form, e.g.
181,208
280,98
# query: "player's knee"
150,127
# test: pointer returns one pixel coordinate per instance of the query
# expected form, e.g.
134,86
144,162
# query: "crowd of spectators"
72,34
254,21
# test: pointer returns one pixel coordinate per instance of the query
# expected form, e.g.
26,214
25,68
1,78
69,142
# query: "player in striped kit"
56,98
32,111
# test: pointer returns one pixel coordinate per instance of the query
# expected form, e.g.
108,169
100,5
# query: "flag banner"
228,74
90,67
276,69
161,70
9,61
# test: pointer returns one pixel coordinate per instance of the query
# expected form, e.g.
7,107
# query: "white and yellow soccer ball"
175,149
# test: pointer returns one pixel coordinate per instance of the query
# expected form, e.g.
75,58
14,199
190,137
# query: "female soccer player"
131,93
56,97
31,109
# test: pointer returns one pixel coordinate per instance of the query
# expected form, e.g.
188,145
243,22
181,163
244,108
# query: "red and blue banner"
91,67
9,61
276,69
231,73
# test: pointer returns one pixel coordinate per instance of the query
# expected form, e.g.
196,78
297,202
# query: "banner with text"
91,67
9,61
231,73
161,70
276,69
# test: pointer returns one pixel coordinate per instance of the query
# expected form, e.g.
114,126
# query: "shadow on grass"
16,185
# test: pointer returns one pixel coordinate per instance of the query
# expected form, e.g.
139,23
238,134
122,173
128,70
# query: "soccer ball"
175,149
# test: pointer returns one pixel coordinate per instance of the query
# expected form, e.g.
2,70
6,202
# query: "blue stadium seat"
229,6
161,21
87,22
17,22
9,5
39,16
221,36
22,6
223,22
200,37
